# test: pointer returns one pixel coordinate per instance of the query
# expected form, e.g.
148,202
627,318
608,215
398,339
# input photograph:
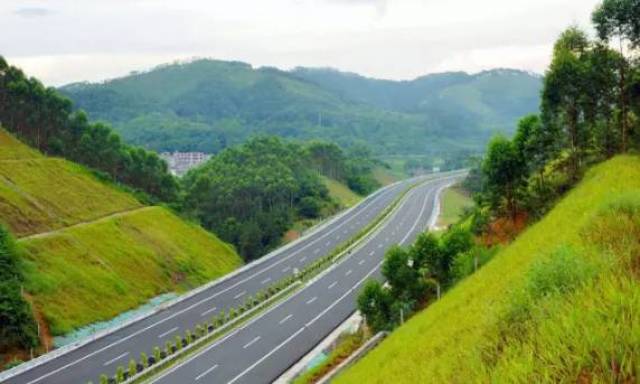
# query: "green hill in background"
559,304
207,105
86,242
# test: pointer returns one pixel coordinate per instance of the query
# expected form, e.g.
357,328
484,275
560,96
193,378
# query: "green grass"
341,192
346,345
12,148
106,263
454,201
39,194
560,304
385,176
119,264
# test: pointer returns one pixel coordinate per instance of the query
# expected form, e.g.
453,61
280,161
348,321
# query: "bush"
465,264
157,354
144,360
310,207
17,325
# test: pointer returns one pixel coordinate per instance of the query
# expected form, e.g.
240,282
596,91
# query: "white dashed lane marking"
203,374
255,340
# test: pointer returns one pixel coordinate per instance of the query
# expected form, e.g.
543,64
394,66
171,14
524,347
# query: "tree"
17,325
504,169
45,120
455,241
374,302
401,271
621,19
563,89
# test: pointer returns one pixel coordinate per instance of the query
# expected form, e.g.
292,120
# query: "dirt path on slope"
84,223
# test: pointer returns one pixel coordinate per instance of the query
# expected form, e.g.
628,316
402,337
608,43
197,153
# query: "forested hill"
207,105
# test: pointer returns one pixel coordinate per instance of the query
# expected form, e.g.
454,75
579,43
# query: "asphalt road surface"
105,354
262,350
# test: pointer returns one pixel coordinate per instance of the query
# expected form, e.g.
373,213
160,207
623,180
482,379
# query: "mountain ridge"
207,105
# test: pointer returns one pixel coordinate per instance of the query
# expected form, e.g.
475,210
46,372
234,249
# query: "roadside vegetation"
344,196
560,302
345,346
43,118
250,195
515,321
18,329
92,243
120,263
27,204
455,204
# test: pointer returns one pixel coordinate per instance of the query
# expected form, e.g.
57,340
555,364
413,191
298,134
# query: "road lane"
86,363
310,314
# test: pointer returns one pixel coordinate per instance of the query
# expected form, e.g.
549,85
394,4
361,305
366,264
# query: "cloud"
399,39
30,12
380,5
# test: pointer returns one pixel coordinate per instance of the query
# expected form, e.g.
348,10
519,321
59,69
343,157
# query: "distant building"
180,162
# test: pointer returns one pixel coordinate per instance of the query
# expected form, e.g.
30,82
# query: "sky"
63,41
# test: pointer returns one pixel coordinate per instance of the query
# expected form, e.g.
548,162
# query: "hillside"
340,192
560,304
207,105
86,242
39,194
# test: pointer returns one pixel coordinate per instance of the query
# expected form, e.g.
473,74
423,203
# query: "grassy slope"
137,256
95,270
386,176
454,201
589,335
39,194
341,192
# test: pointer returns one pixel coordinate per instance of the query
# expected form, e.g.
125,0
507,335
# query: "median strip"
221,325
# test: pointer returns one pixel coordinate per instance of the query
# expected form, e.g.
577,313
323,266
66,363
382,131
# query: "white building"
180,162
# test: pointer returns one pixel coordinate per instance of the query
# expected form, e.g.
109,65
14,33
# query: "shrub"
156,354
120,374
144,360
132,367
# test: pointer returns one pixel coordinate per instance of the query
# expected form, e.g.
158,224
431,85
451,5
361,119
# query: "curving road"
106,353
264,348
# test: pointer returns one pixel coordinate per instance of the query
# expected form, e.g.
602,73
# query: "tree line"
252,193
590,109
417,275
44,119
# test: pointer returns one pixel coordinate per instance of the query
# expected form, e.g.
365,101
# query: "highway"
105,354
263,349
